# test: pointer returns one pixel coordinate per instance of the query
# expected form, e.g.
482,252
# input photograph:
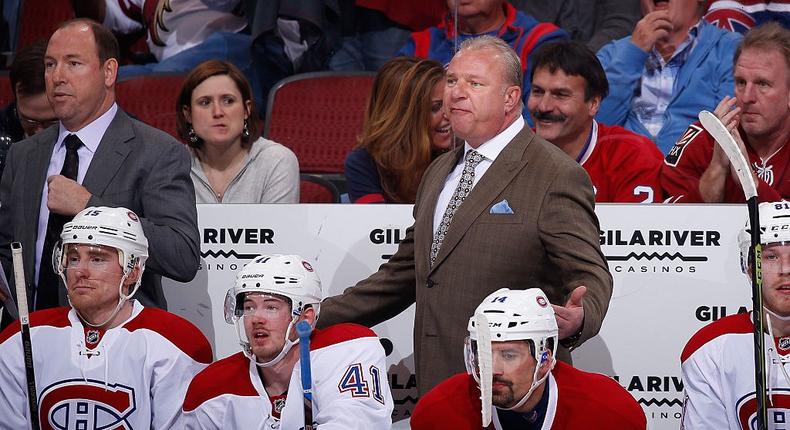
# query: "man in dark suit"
96,156
528,220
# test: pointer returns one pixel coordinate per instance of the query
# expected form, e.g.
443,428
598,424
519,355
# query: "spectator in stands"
30,112
181,34
492,17
740,15
230,164
568,84
405,127
592,22
697,170
671,67
374,30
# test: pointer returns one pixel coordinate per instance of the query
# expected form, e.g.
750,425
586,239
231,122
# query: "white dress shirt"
490,151
91,136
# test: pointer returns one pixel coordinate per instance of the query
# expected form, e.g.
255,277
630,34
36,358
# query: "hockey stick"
727,143
484,363
303,329
27,346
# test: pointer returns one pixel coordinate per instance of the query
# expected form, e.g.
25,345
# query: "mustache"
498,380
548,116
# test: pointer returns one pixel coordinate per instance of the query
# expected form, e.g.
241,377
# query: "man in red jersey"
697,170
531,389
568,84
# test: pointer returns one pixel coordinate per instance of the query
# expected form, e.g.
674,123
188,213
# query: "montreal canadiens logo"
541,301
91,405
778,411
132,216
307,266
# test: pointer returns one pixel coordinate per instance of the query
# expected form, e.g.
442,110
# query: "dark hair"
200,73
27,70
770,35
574,59
106,44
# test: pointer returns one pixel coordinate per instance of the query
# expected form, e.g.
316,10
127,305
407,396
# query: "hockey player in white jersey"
718,361
106,362
260,387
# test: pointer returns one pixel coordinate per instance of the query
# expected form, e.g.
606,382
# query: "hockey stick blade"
24,320
484,363
727,143
303,329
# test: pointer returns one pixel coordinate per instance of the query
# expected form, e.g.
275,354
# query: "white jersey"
133,376
350,388
173,25
718,377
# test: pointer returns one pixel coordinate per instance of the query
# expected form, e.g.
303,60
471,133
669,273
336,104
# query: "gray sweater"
270,175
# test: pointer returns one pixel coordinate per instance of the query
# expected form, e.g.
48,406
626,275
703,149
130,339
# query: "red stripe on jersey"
422,43
55,317
534,36
182,333
733,324
338,333
230,375
371,198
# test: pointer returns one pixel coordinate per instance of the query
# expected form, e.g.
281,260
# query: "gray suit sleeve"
569,229
169,215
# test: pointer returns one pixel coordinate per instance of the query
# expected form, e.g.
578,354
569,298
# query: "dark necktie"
48,280
472,159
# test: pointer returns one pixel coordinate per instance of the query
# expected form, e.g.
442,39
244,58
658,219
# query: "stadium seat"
39,18
313,189
152,99
6,92
318,116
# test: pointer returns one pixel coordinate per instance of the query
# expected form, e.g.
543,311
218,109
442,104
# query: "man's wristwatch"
571,341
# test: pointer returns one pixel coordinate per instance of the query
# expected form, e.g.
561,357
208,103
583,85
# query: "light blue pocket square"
501,208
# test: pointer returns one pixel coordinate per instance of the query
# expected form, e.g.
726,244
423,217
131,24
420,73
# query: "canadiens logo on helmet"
89,405
132,216
541,301
307,266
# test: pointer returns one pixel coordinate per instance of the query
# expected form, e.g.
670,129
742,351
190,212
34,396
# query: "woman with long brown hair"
405,127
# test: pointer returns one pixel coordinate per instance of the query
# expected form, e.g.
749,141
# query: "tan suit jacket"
551,241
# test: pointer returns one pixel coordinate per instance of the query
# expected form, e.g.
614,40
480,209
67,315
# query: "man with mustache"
697,170
672,66
568,84
531,389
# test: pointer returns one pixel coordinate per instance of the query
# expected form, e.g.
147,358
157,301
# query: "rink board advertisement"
675,269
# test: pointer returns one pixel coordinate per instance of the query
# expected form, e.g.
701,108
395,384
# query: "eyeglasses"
33,126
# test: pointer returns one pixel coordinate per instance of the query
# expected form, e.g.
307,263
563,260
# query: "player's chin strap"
122,299
774,356
286,347
535,382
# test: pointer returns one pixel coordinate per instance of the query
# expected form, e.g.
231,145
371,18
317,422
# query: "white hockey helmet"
289,276
517,315
774,226
118,228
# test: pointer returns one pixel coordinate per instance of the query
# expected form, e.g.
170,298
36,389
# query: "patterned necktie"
472,159
48,281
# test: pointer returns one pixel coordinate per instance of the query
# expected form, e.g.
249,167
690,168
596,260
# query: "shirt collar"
91,134
491,148
681,52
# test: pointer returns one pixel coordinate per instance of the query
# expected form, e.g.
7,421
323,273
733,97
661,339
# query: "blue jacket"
521,31
703,80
